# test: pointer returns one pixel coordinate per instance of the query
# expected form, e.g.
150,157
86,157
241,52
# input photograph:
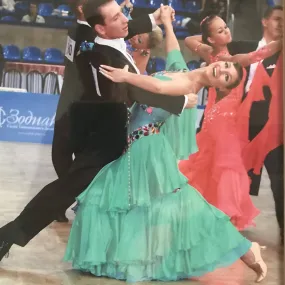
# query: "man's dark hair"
239,70
91,11
73,4
269,11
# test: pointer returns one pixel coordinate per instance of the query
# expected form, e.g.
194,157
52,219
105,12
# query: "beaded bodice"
144,121
221,116
142,115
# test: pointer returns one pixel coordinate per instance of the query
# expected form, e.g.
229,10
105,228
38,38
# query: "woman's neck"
219,49
199,79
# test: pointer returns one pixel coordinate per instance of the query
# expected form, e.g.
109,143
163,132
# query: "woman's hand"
114,74
166,15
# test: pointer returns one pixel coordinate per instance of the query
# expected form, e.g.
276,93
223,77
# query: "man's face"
274,24
116,23
33,9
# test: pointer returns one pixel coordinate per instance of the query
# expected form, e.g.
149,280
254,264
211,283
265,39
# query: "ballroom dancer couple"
138,197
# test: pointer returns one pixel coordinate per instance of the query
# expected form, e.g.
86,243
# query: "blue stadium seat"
22,7
159,64
149,66
32,54
193,6
177,5
12,53
141,3
178,21
53,55
64,11
63,8
45,9
193,64
181,33
154,4
9,19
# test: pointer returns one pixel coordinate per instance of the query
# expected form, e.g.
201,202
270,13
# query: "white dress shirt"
120,45
83,23
253,66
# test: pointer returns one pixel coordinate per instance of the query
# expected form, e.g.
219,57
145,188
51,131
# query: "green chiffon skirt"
181,133
139,220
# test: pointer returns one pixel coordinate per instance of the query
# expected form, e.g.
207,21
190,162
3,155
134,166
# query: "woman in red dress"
217,170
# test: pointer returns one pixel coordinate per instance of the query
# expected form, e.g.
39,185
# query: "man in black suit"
272,23
259,114
102,125
72,90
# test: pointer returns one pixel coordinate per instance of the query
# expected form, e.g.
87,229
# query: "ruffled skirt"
140,220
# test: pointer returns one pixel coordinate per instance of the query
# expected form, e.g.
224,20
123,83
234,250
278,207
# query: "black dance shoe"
61,218
4,248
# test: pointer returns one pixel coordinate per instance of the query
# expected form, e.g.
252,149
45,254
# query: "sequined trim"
165,72
144,131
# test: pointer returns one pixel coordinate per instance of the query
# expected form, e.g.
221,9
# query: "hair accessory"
204,20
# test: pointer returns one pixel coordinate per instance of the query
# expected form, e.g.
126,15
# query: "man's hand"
192,100
157,15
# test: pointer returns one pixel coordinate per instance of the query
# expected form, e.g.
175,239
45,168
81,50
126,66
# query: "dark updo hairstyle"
239,70
204,26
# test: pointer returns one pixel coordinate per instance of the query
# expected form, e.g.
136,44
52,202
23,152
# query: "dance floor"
26,168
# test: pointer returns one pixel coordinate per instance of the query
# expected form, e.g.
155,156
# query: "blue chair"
181,33
149,66
178,21
193,64
193,6
141,3
154,4
177,5
12,53
32,54
63,8
22,7
9,19
159,64
53,56
45,9
64,12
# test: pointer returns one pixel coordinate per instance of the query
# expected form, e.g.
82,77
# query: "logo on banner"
14,119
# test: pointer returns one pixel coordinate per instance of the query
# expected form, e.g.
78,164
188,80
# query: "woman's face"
221,74
140,41
219,32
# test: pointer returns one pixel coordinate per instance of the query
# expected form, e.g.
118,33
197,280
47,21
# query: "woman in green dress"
140,220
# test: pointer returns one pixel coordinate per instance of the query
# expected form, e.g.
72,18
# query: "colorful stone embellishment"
144,131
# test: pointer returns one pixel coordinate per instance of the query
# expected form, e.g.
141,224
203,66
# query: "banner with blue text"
27,117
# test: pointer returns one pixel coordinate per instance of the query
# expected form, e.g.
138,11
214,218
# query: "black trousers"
98,135
61,146
274,165
56,197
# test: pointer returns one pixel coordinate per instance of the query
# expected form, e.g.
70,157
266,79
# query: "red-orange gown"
217,170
